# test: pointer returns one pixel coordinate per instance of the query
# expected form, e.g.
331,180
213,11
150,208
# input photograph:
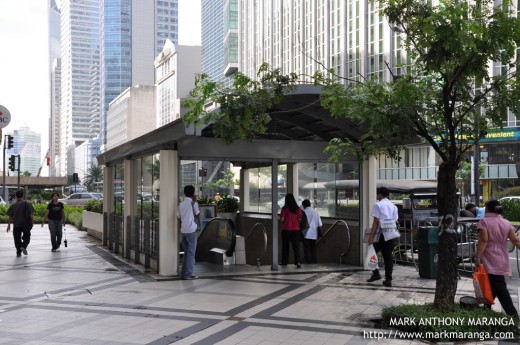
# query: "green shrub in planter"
94,206
511,210
227,204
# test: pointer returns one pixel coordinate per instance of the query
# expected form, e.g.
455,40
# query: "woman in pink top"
290,216
492,252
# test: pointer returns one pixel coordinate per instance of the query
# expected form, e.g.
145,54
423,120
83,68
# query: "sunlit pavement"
84,295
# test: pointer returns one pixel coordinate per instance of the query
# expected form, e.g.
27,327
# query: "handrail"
231,249
348,237
264,231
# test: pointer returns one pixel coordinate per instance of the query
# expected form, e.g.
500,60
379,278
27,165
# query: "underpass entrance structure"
144,178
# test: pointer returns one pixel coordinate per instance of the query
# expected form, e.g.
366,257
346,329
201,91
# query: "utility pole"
18,187
8,144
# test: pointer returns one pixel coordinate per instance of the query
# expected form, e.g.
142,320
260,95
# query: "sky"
24,66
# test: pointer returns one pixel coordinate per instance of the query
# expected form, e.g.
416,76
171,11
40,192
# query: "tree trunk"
446,286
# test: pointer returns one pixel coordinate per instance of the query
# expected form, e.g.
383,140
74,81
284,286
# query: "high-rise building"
55,78
176,68
27,144
131,114
85,156
79,55
219,39
212,38
133,33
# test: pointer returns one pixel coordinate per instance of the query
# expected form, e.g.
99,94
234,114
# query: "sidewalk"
84,295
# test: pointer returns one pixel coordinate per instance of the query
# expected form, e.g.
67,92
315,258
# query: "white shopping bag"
371,262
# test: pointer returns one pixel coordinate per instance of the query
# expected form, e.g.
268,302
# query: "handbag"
389,229
482,286
371,261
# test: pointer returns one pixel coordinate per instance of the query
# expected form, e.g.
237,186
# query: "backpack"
304,224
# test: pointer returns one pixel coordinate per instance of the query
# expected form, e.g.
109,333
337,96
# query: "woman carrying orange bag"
492,252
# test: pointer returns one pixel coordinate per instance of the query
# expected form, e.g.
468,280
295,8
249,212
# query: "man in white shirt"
187,213
383,210
309,240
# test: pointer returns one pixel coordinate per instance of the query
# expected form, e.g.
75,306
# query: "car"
509,198
79,199
281,202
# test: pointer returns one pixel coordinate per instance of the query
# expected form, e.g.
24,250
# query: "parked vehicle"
79,199
510,198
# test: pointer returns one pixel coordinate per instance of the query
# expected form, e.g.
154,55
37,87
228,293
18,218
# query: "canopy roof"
299,131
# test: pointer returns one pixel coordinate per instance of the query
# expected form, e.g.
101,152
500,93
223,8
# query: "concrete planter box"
93,222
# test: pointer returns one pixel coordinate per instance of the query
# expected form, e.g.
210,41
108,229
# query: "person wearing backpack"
313,232
21,215
290,217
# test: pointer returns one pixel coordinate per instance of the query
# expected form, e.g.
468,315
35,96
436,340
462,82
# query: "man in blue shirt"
478,212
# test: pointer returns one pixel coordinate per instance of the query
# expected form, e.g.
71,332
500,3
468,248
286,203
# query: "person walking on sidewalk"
187,213
492,252
383,209
309,240
55,216
21,216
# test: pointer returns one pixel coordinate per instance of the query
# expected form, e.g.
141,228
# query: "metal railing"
326,234
407,249
264,237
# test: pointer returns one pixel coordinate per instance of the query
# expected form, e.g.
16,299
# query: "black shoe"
24,251
374,277
18,253
387,283
298,265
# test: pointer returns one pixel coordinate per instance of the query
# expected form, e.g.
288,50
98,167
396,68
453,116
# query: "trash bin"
428,240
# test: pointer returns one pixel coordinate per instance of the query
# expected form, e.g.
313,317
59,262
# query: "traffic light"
75,178
203,172
12,162
10,141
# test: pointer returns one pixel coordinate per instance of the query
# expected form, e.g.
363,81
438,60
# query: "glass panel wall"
260,189
332,189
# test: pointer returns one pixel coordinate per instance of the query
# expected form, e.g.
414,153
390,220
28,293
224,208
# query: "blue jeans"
189,243
56,232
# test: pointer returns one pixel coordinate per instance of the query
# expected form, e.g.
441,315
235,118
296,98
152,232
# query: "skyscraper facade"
212,38
133,32
79,54
55,87
27,144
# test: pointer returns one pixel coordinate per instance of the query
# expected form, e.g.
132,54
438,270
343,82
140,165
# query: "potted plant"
227,207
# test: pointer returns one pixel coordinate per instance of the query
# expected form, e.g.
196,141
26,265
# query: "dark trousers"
55,228
21,238
309,247
499,289
386,248
293,237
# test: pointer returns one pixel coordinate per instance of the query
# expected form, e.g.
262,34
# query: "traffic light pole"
4,191
18,187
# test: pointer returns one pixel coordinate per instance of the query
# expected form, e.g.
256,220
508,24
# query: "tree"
227,181
26,173
94,174
448,97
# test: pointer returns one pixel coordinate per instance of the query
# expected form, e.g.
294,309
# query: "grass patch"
477,324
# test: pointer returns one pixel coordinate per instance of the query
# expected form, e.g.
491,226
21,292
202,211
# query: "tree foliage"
94,174
244,107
